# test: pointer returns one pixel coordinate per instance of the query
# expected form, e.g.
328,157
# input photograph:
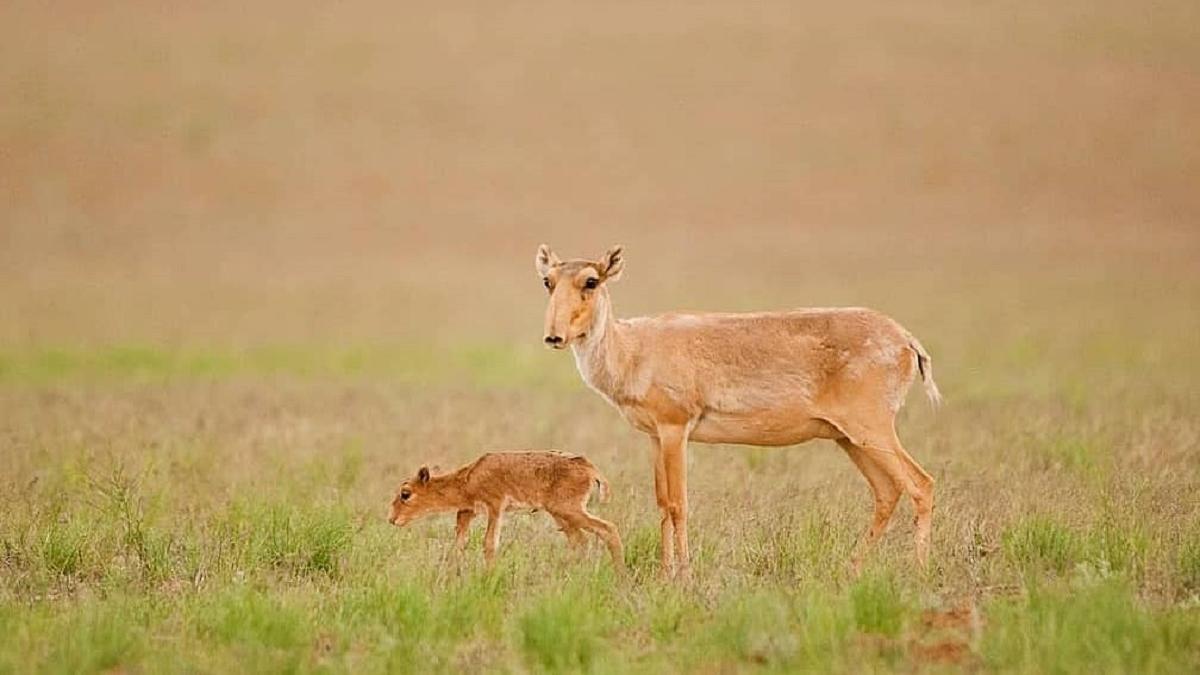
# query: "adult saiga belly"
766,427
743,415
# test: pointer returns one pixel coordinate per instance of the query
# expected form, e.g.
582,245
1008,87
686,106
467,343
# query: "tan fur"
498,482
769,378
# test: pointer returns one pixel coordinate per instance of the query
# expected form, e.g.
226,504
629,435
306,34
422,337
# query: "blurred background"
261,260
371,178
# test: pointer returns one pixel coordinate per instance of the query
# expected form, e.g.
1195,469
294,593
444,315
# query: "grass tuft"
878,604
302,541
1188,562
670,612
642,549
796,549
1040,542
242,615
562,631
755,627
1098,626
1119,547
63,547
99,636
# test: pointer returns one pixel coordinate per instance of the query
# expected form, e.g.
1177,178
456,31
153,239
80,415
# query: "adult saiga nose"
554,340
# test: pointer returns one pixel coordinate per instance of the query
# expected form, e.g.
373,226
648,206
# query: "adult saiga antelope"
769,378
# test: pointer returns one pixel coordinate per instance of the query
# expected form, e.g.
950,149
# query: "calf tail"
925,366
602,491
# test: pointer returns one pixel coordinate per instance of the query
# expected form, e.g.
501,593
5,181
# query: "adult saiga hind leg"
921,491
890,471
885,489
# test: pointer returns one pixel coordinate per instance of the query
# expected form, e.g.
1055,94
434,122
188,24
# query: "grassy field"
258,264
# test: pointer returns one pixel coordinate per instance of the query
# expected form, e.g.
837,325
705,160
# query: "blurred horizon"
235,176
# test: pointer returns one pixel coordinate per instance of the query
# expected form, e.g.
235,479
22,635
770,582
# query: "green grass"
245,617
1188,564
100,636
163,543
878,605
753,627
63,548
305,542
804,547
1100,626
487,364
563,631
1042,543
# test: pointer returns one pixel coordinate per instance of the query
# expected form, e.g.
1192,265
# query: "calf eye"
546,282
591,283
404,496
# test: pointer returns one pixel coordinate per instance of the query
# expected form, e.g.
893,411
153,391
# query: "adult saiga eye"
591,283
546,282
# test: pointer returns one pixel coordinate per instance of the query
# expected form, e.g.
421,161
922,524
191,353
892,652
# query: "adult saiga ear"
423,475
545,260
612,263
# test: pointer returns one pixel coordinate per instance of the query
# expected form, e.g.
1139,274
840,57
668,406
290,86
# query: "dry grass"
258,263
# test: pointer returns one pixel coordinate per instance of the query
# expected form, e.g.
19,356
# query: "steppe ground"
257,263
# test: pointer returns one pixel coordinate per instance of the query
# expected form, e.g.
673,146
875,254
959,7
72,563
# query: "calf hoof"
856,565
666,572
683,574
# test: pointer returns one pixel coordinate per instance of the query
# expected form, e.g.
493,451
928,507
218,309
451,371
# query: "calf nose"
554,340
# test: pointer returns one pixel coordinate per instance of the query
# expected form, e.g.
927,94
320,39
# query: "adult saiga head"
578,293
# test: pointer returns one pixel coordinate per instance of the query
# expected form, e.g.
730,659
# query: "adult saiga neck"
600,355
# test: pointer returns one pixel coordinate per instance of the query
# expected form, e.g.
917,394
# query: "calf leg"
573,534
491,538
605,531
462,527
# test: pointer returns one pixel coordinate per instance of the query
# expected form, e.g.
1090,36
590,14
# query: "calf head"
419,496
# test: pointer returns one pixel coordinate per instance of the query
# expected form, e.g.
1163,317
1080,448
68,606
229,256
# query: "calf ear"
423,475
544,260
612,262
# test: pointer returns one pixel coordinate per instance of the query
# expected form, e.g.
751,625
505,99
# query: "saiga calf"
498,482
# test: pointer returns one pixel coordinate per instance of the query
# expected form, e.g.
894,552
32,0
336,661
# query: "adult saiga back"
767,378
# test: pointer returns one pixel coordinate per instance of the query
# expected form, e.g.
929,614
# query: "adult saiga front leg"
672,441
662,498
